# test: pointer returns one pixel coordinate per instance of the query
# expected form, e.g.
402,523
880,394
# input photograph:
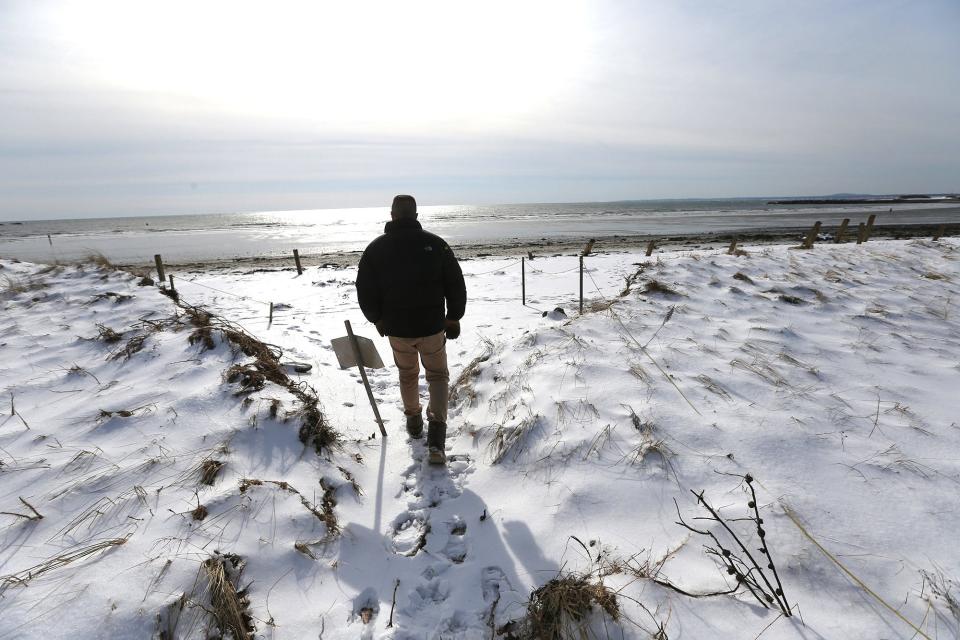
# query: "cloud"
116,108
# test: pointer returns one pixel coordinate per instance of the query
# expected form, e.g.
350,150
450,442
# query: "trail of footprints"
426,487
440,538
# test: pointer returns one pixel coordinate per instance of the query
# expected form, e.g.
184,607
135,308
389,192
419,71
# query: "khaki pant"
432,351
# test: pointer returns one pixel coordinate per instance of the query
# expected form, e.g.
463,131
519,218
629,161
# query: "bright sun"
390,66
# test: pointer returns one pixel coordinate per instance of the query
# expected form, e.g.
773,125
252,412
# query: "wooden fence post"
523,281
650,246
296,258
869,229
812,236
581,284
733,246
363,376
270,321
172,288
940,232
842,232
861,232
160,274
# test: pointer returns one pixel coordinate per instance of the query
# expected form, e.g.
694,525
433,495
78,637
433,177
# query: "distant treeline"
907,198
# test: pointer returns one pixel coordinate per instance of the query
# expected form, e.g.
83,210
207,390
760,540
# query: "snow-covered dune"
164,473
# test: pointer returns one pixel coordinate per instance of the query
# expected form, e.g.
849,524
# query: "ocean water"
243,235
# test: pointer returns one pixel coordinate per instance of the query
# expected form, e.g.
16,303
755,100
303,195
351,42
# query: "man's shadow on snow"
369,566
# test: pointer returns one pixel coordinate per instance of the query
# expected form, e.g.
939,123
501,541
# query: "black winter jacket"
404,278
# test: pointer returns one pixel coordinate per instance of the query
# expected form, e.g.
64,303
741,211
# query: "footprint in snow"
428,485
491,581
455,549
409,533
431,593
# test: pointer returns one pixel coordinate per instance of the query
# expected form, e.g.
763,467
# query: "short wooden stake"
172,288
842,232
363,376
733,246
812,236
523,281
49,239
869,229
940,232
650,246
296,258
581,284
587,249
270,321
160,274
861,232
393,603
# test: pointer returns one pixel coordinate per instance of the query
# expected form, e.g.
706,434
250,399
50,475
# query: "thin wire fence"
280,311
277,312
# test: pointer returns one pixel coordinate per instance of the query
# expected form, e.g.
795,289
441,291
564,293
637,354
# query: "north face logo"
428,248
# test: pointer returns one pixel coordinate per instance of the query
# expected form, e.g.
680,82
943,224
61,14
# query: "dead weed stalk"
22,577
759,578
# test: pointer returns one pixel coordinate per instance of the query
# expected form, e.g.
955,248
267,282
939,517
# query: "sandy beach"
569,247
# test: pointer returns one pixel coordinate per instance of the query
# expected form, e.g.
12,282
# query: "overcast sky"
130,107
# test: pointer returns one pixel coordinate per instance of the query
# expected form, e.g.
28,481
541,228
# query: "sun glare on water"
392,66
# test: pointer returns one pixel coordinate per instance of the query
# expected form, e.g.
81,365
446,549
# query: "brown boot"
415,426
436,442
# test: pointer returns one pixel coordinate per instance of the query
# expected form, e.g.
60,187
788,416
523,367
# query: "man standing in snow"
409,285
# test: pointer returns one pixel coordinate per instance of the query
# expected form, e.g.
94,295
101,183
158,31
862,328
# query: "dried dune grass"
509,441
108,335
462,389
98,259
325,512
230,606
23,576
209,469
760,368
264,367
134,345
656,287
713,386
561,609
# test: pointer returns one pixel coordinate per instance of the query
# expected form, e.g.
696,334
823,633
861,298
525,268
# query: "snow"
828,375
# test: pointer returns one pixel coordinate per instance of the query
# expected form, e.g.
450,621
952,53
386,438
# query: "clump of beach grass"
107,334
97,259
230,606
510,441
462,389
15,286
652,287
209,469
133,345
563,608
